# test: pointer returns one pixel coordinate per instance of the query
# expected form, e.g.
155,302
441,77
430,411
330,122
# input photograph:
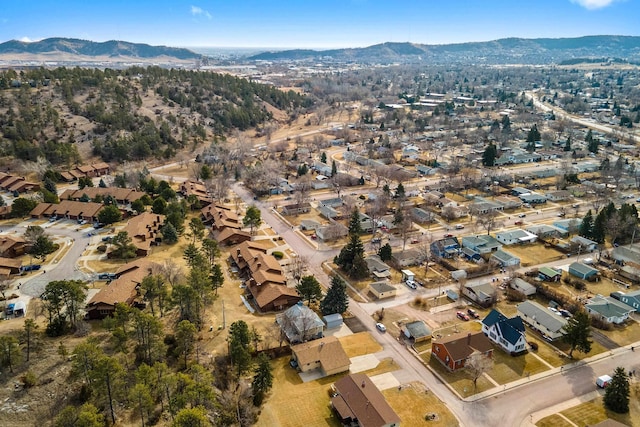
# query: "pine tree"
576,333
400,193
385,252
336,300
262,379
309,289
598,229
587,225
334,168
616,395
323,157
489,155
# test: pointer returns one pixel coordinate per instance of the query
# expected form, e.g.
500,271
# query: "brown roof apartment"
144,230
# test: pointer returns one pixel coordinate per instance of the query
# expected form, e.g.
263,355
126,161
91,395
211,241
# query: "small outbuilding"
416,331
382,290
582,271
333,320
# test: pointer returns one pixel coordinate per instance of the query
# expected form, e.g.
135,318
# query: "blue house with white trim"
509,334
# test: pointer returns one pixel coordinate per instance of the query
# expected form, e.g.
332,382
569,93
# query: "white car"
411,284
381,327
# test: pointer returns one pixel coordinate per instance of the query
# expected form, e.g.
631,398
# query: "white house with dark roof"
481,243
481,293
584,244
504,259
508,333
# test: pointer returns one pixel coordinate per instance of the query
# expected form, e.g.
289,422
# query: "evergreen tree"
567,144
400,193
506,124
336,300
309,289
252,218
102,184
587,225
490,154
109,214
50,186
599,227
239,340
534,134
323,157
385,252
334,168
576,333
616,395
262,379
169,233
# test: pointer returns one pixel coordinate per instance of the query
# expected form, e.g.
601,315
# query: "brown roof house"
359,402
12,246
9,266
454,350
144,230
122,195
19,184
198,189
68,209
226,226
325,354
124,289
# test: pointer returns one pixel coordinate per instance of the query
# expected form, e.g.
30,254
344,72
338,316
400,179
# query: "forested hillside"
63,114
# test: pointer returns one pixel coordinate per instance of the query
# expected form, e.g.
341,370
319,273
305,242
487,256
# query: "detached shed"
407,275
417,331
333,320
522,286
382,290
582,271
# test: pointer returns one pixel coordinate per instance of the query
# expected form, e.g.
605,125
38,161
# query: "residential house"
544,231
520,191
471,255
123,196
197,189
523,286
454,350
309,224
68,209
482,243
583,244
378,268
333,231
512,237
508,202
558,195
533,198
481,206
582,271
421,216
12,246
626,254
508,333
300,324
231,236
296,208
124,289
448,247
16,184
631,299
504,259
358,402
329,212
335,202
541,319
322,168
381,290
144,231
416,331
408,257
569,225
324,354
9,266
609,309
483,294
220,216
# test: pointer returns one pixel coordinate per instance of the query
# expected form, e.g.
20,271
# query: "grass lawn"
624,334
359,344
534,254
455,326
553,421
287,388
546,352
413,403
386,365
592,412
595,349
508,368
459,380
422,346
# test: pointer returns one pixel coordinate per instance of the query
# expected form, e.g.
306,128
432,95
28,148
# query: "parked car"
462,316
411,284
473,313
561,214
518,223
522,215
447,235
459,226
381,327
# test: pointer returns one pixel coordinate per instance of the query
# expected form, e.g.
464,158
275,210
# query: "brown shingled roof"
461,345
328,351
363,399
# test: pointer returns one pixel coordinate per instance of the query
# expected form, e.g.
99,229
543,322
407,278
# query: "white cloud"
197,11
593,4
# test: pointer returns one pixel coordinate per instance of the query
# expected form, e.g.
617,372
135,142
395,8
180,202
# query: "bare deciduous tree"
476,365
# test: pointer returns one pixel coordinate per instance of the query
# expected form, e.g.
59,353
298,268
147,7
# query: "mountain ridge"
110,48
512,49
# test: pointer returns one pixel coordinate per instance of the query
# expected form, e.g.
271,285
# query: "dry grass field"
534,254
414,402
359,344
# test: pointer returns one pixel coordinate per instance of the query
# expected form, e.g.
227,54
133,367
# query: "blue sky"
313,23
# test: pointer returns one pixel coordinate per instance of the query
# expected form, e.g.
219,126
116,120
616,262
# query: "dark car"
448,235
462,316
473,313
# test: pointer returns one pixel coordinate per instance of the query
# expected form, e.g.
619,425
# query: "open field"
554,420
414,402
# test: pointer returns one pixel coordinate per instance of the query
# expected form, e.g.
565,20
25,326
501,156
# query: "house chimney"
469,338
321,345
258,265
363,384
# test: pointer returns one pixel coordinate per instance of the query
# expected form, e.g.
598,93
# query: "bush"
29,379
581,286
277,255
102,248
598,323
533,345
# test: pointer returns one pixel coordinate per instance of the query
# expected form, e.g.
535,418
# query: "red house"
454,350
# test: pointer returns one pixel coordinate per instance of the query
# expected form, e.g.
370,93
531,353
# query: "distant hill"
111,48
510,50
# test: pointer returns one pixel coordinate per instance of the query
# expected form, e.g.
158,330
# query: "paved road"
65,268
